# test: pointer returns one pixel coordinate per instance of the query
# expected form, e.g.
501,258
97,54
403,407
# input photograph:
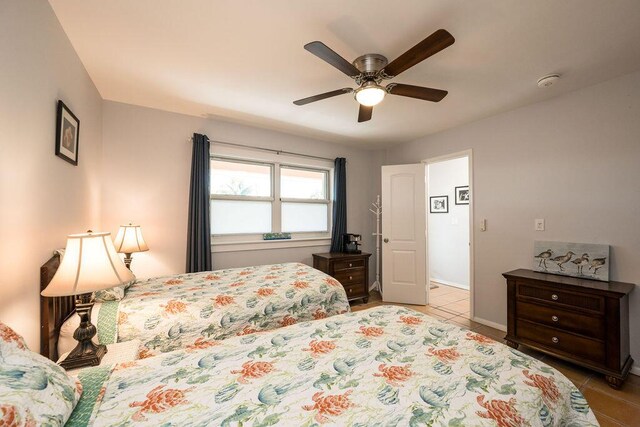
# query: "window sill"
259,245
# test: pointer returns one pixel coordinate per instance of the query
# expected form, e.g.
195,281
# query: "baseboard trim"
635,370
494,325
447,283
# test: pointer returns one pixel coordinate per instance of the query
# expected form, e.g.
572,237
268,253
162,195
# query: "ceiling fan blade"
433,44
364,114
322,96
418,92
325,53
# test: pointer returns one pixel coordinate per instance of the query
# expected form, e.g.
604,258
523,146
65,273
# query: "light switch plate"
539,225
483,225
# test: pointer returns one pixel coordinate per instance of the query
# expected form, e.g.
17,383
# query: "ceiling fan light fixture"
370,94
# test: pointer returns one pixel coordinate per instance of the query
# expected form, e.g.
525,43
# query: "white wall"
42,197
573,160
448,233
147,162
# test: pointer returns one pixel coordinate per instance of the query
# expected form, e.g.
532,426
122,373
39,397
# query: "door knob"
386,240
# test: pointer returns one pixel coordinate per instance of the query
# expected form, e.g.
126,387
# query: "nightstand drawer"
345,265
562,342
590,326
355,291
551,296
350,277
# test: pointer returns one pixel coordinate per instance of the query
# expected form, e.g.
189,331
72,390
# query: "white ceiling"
243,61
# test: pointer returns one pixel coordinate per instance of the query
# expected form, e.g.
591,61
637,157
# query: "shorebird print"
559,260
543,257
581,262
597,264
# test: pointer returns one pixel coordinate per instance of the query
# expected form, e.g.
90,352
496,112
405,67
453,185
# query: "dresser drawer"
350,277
554,297
590,326
562,342
347,264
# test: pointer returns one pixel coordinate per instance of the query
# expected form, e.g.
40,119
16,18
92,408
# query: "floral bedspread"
384,366
194,310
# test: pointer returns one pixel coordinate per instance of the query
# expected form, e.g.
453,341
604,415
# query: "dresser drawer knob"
555,340
350,277
554,297
554,318
350,290
350,265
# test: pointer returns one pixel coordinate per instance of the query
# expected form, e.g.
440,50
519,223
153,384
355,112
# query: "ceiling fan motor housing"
370,63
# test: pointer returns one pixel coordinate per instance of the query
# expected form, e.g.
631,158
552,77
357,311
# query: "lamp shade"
129,240
90,263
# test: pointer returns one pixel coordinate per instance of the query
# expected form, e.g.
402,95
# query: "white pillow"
66,342
33,389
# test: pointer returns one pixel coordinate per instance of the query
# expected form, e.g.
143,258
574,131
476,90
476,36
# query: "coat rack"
377,211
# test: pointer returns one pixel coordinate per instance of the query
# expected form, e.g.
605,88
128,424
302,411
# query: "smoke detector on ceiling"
549,80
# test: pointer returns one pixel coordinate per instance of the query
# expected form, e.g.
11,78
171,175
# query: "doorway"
405,230
449,219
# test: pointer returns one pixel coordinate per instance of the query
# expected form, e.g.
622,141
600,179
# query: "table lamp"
129,240
90,263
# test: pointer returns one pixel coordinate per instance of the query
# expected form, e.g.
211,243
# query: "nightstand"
116,353
351,270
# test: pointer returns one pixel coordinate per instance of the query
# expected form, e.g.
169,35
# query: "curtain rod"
270,150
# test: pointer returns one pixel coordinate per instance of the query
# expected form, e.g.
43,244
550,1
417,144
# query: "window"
304,199
252,198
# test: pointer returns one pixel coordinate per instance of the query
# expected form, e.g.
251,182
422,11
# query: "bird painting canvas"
583,260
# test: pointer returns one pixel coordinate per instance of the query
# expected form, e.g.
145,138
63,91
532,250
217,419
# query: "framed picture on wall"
439,204
462,195
67,134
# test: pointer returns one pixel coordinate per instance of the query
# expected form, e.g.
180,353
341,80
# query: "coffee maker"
351,243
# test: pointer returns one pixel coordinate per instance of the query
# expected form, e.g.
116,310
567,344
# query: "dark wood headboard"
53,311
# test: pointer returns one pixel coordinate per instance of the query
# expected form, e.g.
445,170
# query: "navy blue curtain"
199,232
339,204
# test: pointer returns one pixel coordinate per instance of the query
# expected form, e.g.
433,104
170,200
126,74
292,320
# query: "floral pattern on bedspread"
385,366
197,309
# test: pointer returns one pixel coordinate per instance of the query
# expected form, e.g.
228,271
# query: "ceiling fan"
371,69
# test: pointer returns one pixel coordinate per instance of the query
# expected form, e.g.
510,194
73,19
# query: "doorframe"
451,156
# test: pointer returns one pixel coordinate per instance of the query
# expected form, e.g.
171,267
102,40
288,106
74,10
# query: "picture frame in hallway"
439,204
67,134
462,195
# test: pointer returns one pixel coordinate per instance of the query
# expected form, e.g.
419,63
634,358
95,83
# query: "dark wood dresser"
582,321
352,270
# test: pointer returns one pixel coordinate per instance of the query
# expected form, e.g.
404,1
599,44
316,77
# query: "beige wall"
147,161
573,160
42,197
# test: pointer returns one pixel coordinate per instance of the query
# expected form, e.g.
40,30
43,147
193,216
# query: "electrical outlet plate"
539,225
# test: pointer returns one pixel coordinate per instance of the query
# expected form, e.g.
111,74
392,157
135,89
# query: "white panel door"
404,243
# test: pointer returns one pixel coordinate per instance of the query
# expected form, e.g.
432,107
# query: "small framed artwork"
462,195
439,204
67,134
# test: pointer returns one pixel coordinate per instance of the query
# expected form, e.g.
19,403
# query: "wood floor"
612,407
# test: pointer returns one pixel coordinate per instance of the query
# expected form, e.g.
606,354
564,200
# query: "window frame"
276,203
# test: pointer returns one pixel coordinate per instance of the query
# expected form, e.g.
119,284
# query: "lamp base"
84,360
127,260
86,352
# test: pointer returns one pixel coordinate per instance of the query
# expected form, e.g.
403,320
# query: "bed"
384,366
195,310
